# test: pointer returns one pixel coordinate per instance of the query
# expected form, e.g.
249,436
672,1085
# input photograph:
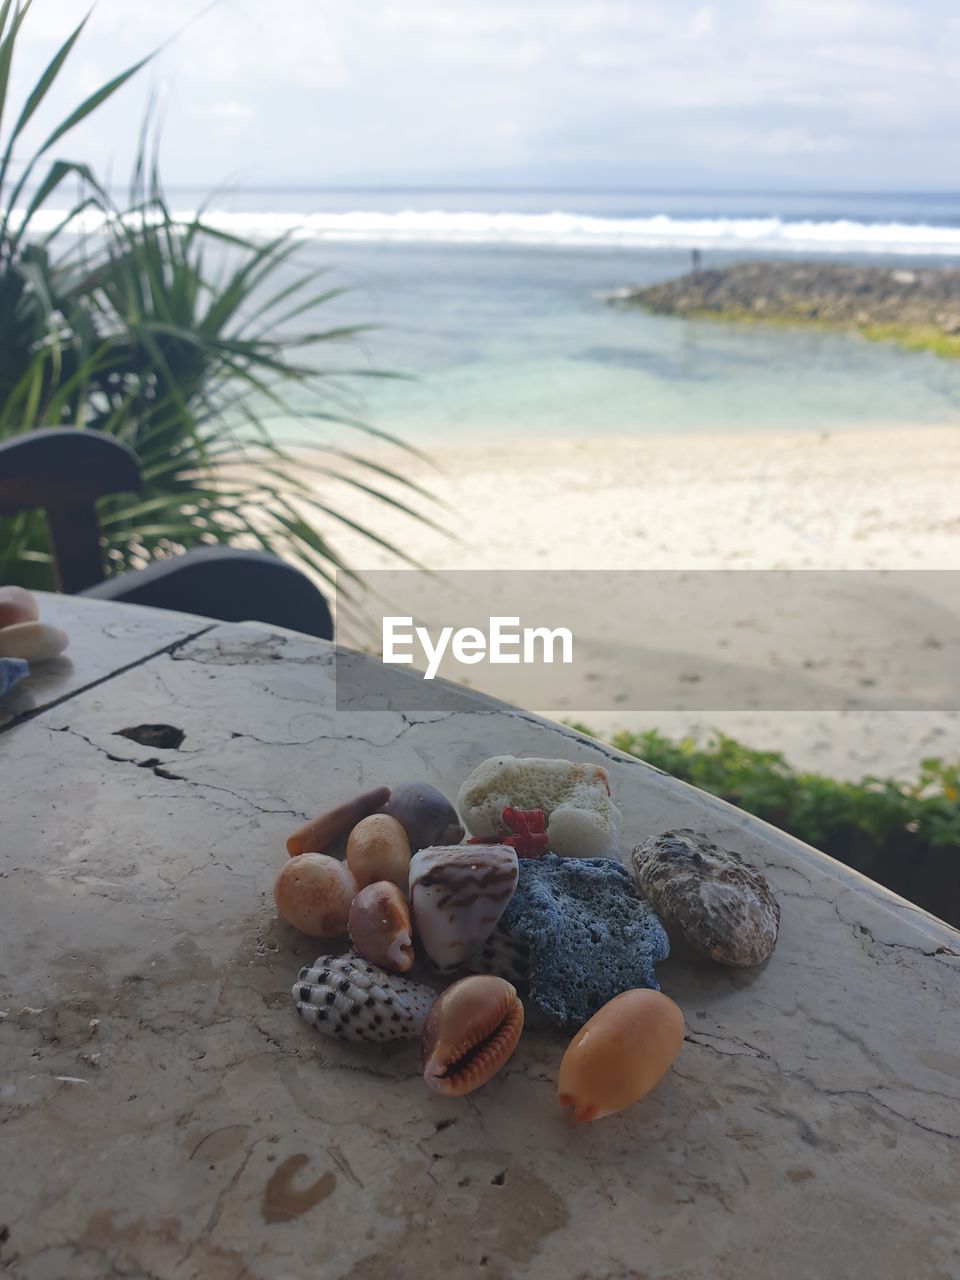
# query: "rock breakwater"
918,307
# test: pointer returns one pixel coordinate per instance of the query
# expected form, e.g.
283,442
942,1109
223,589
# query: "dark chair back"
62,472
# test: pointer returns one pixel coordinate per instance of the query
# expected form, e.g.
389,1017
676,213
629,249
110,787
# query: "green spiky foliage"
180,340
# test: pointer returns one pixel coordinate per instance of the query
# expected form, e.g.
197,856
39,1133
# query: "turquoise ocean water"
492,302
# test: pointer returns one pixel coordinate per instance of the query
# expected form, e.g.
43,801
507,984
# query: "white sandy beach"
885,499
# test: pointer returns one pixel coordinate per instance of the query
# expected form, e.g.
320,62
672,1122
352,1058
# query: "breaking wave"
767,234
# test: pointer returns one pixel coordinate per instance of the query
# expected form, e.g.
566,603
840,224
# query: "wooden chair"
62,472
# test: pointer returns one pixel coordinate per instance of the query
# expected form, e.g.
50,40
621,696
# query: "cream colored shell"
457,895
33,641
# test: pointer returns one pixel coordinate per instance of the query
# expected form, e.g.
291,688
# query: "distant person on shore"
695,260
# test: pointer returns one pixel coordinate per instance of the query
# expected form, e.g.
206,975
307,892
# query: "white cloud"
775,142
884,58
702,23
831,19
404,89
229,110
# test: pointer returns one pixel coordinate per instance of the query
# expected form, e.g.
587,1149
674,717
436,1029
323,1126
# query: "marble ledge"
168,1115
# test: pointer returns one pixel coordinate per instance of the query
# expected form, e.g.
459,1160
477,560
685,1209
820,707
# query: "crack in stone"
866,1094
160,771
324,737
342,1163
216,1213
153,763
751,1050
170,649
940,950
861,933
258,653
885,1106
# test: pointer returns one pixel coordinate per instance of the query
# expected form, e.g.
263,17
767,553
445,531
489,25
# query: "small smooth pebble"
314,893
17,605
32,641
425,814
378,849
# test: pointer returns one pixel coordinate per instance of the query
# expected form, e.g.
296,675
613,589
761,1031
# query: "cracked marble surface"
165,1114
101,643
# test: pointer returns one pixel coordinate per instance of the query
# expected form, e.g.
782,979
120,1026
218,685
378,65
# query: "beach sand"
885,499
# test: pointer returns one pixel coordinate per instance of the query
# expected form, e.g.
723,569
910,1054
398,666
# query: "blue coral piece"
590,934
11,671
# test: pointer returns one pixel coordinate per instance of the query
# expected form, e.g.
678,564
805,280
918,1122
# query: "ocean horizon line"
604,189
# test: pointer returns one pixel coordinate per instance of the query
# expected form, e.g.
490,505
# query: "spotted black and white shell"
347,997
503,956
722,908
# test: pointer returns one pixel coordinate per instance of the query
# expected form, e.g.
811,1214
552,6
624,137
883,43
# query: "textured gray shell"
503,956
346,996
723,908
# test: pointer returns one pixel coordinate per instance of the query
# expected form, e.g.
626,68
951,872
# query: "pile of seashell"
22,635
23,638
578,931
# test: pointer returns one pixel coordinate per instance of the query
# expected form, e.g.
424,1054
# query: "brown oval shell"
380,927
470,1032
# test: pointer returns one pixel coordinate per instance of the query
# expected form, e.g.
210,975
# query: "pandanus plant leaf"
180,339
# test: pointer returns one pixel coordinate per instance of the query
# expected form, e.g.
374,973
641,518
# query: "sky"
734,94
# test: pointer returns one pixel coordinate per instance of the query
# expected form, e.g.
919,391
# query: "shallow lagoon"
507,338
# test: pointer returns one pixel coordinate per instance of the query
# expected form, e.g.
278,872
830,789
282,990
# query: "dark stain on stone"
154,1248
501,1234
799,1175
166,737
282,1201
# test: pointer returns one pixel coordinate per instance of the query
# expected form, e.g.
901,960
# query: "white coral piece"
582,820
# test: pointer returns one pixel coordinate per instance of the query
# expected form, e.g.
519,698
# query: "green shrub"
904,834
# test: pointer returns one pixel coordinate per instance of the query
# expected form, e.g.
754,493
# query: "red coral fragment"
528,829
